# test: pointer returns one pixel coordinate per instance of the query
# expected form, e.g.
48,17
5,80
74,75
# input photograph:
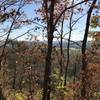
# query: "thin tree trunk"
74,72
84,61
1,94
1,88
68,46
22,77
14,78
30,83
14,73
61,47
3,69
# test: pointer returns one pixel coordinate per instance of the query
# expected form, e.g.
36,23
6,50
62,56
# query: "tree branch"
67,9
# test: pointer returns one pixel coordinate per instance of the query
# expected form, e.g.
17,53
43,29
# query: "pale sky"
77,34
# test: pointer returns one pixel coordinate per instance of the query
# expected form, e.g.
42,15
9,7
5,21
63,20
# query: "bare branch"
10,30
67,9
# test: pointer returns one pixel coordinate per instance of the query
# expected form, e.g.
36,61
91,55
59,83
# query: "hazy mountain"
76,44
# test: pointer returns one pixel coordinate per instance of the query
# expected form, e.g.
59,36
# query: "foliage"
57,80
59,91
38,95
16,95
95,21
22,63
96,95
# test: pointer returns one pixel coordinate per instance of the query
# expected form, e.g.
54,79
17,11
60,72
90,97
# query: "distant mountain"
76,44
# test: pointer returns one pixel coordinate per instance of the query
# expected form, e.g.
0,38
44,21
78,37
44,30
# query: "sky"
77,34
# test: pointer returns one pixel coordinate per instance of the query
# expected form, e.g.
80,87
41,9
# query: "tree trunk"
68,46
61,47
14,78
84,61
50,31
1,89
1,94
